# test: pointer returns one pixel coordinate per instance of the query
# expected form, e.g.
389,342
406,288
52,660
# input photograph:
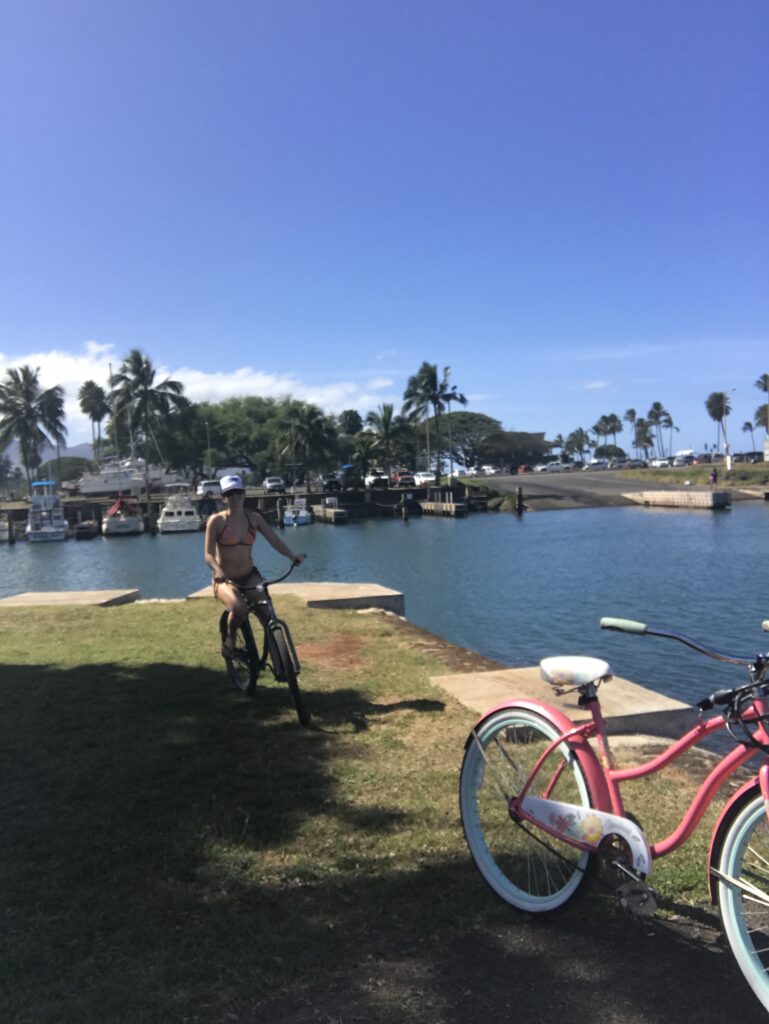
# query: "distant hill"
78,451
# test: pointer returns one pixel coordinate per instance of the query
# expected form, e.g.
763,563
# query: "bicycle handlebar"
264,583
640,628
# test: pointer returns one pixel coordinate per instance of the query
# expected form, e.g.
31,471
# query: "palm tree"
312,433
630,417
93,402
719,406
30,415
425,391
666,423
350,421
386,426
142,400
365,448
655,416
747,427
642,436
762,413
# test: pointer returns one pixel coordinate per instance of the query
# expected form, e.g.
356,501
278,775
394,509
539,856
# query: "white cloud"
596,385
71,369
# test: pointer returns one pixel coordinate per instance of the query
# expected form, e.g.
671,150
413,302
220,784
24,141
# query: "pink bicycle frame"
604,779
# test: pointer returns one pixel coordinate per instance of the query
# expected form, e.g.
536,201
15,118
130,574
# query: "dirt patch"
338,652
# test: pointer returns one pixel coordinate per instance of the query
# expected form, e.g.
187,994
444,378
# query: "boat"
86,530
125,476
122,519
45,519
297,514
179,514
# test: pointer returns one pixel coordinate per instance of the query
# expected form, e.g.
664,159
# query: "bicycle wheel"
527,868
283,667
744,907
243,666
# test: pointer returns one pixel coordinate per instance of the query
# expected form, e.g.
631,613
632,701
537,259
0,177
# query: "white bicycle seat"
574,670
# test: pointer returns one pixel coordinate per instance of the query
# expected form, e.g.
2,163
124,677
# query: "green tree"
747,427
655,417
719,406
630,418
762,413
29,415
643,440
384,423
94,404
308,432
143,401
350,421
578,443
425,391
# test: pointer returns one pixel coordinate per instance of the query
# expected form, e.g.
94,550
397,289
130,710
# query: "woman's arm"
274,540
212,535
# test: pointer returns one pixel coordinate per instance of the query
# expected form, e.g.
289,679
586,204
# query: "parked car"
490,471
274,485
597,464
209,489
402,478
524,469
635,464
556,467
683,460
331,482
376,478
424,478
659,463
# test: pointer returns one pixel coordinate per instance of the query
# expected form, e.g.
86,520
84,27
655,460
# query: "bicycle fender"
744,795
586,756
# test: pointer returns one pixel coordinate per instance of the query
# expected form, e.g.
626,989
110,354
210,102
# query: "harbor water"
516,590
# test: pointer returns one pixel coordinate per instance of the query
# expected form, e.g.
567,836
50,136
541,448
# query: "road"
582,488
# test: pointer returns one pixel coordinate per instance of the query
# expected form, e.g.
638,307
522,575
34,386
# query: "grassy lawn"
174,851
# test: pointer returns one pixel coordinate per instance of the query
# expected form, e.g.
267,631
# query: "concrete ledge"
101,598
627,707
682,499
335,595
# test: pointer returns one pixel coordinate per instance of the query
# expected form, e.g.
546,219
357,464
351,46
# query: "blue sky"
564,202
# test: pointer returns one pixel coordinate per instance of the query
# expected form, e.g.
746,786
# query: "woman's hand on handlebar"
297,559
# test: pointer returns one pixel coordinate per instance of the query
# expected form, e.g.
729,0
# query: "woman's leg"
237,608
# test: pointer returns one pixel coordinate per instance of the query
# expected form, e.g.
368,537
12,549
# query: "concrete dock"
70,598
335,595
682,499
627,707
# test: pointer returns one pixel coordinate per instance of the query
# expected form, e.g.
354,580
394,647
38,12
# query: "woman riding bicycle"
230,536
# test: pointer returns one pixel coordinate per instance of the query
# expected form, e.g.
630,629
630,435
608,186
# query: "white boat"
297,514
45,519
179,514
122,520
125,476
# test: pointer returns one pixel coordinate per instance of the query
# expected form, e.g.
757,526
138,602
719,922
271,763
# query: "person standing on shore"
713,477
230,536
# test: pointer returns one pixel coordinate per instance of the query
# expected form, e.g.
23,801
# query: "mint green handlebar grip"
623,625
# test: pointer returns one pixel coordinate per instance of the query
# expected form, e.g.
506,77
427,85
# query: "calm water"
515,590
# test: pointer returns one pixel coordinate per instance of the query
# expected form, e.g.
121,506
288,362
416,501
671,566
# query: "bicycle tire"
526,867
243,666
283,667
744,856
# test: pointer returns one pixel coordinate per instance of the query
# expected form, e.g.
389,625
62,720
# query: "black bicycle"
277,651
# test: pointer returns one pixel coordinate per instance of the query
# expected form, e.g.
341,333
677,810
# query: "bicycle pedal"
637,898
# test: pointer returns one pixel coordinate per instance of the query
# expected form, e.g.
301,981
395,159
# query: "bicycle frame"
604,781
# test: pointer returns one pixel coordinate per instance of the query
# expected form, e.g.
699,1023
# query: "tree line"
139,415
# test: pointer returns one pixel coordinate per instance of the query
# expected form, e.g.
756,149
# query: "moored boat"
45,519
179,513
122,519
297,514
86,530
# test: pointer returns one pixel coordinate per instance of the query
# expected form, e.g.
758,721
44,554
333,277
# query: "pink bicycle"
541,807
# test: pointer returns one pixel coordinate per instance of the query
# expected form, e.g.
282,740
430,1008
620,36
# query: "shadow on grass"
147,817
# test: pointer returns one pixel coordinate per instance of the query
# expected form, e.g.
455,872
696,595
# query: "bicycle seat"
574,670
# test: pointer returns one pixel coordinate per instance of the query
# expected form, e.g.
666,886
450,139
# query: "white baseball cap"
231,483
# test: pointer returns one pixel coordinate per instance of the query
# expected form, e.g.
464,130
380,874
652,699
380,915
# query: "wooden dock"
682,499
329,514
444,508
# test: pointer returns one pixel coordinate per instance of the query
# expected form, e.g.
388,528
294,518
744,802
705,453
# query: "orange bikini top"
226,540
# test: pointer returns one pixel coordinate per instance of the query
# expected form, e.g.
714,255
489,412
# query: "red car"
402,478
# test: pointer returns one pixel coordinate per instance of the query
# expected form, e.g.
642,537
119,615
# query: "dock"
329,514
70,598
444,508
627,707
682,499
334,595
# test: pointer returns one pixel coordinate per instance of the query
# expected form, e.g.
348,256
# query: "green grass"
174,851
